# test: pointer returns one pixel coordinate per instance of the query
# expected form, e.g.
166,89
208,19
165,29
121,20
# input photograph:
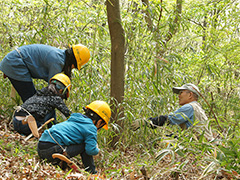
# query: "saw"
70,163
30,135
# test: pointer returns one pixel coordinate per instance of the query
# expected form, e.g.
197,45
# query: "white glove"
138,123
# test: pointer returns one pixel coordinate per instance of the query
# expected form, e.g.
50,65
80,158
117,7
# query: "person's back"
36,60
42,103
76,130
201,122
77,135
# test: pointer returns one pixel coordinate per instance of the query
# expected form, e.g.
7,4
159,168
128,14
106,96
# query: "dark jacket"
43,102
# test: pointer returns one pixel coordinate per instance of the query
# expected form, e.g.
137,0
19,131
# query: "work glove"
159,121
138,123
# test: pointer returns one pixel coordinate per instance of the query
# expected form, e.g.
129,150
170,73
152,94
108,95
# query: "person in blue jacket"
77,135
40,61
189,114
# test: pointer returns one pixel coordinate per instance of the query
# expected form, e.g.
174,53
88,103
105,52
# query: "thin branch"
160,15
210,109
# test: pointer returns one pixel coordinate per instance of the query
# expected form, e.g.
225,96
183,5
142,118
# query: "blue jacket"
77,129
33,61
184,114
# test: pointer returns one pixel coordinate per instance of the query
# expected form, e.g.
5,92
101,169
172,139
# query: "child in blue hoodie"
77,135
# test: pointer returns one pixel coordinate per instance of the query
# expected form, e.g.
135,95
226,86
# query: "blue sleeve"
184,114
91,144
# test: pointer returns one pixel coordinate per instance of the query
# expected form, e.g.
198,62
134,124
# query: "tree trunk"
174,26
117,65
148,15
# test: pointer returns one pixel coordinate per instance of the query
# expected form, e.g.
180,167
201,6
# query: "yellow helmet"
82,54
64,79
102,109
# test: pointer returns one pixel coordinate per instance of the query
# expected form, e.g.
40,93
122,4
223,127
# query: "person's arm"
61,106
183,116
159,121
91,146
151,122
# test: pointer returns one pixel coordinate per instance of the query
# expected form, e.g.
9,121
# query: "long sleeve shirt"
43,102
192,114
184,114
76,130
33,61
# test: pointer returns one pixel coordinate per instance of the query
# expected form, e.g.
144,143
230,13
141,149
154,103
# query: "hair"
94,117
91,114
195,96
69,61
54,89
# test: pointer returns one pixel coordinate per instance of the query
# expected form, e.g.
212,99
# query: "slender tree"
148,16
173,25
117,64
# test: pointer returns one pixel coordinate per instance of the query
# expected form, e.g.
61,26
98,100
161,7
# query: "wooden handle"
62,157
30,135
68,161
48,121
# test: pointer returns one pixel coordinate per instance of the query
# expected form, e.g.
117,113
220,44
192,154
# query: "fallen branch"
144,173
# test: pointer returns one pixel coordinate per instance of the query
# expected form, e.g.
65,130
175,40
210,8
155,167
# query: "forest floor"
19,160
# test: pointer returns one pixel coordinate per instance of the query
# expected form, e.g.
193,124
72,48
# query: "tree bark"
148,15
174,27
117,65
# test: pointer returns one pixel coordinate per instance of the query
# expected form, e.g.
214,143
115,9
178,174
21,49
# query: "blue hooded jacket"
76,130
33,61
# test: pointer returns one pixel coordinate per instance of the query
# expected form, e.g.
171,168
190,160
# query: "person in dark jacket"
77,135
40,61
43,102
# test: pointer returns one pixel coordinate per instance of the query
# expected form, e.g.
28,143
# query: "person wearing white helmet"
39,61
190,113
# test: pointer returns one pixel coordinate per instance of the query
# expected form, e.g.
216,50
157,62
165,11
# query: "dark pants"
22,129
46,149
25,130
24,89
50,115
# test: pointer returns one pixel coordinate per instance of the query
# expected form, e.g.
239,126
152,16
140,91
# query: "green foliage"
204,51
229,154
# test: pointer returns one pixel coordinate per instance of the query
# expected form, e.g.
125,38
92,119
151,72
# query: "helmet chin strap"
65,89
101,125
95,117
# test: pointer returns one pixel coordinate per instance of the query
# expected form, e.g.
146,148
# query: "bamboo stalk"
215,117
